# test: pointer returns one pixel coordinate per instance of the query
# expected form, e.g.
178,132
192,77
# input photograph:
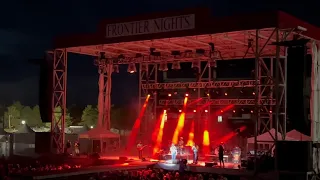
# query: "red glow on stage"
136,126
232,134
158,142
180,124
191,135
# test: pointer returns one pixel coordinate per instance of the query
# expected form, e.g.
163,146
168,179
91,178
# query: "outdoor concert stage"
133,163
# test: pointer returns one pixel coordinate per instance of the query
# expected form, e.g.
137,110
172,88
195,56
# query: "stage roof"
181,31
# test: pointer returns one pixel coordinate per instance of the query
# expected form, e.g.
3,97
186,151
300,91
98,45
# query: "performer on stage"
221,152
174,151
236,153
181,145
77,148
195,150
140,149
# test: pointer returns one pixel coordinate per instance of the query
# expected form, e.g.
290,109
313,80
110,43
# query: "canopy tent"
99,133
267,137
294,134
98,140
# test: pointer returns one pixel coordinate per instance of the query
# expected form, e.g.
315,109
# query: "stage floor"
133,163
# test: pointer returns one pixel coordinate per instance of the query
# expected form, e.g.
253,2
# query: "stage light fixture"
251,111
180,110
175,93
115,68
163,67
270,112
253,93
194,110
121,56
186,95
226,94
176,65
206,110
169,95
132,68
234,111
195,64
221,111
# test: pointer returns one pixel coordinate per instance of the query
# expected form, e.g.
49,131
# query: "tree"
36,115
12,117
58,113
89,116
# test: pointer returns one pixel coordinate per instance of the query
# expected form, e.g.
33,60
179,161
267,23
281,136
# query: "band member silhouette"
174,151
195,150
140,149
221,152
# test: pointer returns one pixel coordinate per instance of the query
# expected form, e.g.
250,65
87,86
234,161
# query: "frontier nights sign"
151,26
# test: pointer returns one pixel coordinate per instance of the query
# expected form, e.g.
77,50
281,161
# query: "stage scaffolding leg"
59,99
148,73
270,77
104,100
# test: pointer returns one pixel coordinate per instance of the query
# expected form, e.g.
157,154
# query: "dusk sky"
27,29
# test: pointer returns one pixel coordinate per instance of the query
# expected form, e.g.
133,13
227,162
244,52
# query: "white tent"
294,134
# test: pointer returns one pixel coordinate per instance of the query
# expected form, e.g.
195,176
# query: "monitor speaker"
294,156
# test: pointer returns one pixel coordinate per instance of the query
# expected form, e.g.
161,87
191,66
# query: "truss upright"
148,74
105,69
58,99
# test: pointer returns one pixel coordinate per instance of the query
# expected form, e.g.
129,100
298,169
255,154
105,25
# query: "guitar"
141,148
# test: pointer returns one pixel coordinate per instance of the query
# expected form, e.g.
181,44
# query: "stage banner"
151,26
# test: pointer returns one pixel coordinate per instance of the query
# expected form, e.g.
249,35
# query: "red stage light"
180,110
234,111
221,111
187,95
226,94
206,111
194,110
270,111
169,95
251,111
253,93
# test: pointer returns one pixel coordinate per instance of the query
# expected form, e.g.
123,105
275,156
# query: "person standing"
221,153
174,151
195,150
140,149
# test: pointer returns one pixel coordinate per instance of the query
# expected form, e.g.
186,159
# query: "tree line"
13,115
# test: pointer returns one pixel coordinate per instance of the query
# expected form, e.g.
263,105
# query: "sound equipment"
294,156
210,164
122,158
42,142
46,89
296,75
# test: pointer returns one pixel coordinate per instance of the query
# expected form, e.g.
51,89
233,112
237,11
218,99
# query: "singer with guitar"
195,150
140,148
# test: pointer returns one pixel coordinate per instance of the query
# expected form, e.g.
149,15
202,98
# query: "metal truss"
148,73
59,109
105,69
202,85
217,102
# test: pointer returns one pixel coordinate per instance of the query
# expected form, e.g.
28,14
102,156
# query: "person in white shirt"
195,150
174,151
